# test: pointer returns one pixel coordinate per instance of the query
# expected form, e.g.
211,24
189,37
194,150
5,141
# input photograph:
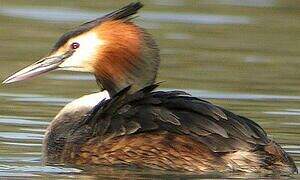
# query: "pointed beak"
40,67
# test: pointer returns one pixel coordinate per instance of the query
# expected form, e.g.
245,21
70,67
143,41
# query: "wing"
176,112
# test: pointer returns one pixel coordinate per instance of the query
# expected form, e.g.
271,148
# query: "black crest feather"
123,13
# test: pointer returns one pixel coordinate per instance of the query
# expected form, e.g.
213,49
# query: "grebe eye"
75,45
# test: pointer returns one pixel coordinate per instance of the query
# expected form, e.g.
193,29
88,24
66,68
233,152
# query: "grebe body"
133,124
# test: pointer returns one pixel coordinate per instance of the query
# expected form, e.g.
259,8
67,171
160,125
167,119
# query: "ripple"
22,144
250,3
8,170
4,173
178,36
72,15
290,112
283,113
34,130
168,2
77,77
291,146
14,120
44,100
59,101
36,98
291,123
10,159
295,149
15,95
20,136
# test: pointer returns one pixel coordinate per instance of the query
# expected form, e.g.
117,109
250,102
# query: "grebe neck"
130,57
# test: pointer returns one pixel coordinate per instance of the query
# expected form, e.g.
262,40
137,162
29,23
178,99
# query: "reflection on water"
76,15
243,55
252,3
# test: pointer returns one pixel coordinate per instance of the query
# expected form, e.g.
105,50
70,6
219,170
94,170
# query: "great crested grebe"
138,126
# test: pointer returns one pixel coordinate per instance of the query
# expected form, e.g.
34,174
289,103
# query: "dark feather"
165,115
207,124
132,127
179,113
123,13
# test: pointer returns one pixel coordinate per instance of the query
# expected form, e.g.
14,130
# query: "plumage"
233,140
134,125
163,115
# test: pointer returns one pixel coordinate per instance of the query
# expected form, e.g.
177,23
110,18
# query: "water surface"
243,55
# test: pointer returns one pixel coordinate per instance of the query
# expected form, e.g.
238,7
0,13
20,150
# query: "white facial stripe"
85,54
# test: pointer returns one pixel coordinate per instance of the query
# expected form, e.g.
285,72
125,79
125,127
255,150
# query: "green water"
243,55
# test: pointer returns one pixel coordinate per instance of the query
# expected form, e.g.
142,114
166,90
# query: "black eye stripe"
75,45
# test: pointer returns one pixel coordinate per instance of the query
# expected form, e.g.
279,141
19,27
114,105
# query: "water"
243,55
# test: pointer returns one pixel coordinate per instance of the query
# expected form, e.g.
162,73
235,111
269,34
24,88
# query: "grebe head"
116,51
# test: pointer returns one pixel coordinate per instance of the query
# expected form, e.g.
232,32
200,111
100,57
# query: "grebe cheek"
87,46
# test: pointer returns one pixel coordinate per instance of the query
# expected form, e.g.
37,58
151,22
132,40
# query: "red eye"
75,45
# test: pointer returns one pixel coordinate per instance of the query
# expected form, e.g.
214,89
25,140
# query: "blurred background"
240,54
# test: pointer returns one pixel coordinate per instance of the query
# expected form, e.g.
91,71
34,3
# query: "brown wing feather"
159,150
